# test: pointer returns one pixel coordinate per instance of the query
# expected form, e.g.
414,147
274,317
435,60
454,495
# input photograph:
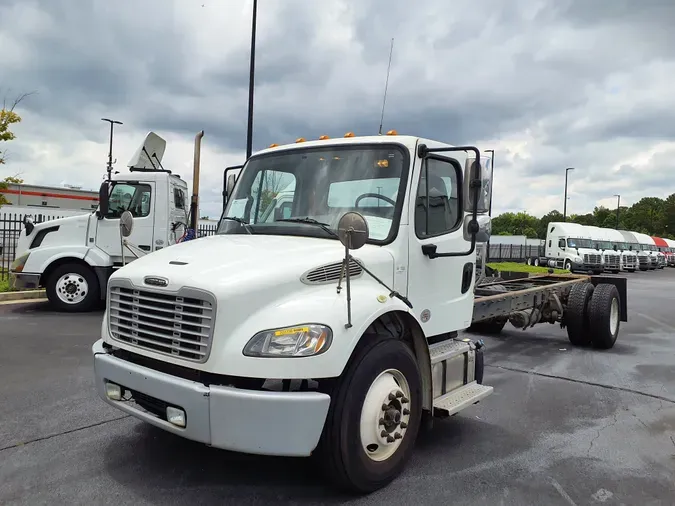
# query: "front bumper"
247,421
25,280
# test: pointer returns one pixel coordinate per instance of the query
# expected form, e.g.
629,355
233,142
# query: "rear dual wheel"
593,315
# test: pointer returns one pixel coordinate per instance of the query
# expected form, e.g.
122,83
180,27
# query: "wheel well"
57,263
401,325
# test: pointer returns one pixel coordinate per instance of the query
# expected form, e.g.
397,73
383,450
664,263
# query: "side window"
439,212
178,198
272,195
131,197
561,243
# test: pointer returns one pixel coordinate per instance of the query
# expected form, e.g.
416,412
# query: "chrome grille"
612,260
592,259
629,259
179,325
330,272
643,260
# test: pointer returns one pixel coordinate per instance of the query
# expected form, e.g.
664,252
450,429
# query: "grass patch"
517,267
4,285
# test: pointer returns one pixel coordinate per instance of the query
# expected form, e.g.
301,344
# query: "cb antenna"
110,161
386,85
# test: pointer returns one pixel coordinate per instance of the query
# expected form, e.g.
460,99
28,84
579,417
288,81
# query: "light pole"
251,82
112,125
565,201
618,205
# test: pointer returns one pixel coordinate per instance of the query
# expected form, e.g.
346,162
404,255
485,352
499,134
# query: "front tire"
72,288
374,417
568,265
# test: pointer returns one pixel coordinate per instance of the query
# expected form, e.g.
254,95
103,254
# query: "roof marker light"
349,134
392,132
300,139
273,145
323,137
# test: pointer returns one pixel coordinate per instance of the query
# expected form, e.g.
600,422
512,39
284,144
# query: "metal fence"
513,252
11,225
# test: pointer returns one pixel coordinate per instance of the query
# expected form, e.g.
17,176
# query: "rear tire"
352,451
576,316
605,315
73,288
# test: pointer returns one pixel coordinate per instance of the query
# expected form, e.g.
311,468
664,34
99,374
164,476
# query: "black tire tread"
576,317
332,442
92,280
599,310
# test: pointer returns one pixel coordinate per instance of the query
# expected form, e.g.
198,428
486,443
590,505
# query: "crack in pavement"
590,383
597,436
50,436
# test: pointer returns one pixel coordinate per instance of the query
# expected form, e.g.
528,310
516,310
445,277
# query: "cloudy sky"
546,84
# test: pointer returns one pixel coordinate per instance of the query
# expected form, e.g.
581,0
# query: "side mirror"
484,228
229,179
103,199
482,171
28,223
352,230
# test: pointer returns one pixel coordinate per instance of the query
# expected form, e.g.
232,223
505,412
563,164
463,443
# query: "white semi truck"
610,258
73,257
647,245
628,256
331,329
571,246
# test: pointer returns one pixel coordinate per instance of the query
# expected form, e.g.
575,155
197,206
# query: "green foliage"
516,267
650,215
4,184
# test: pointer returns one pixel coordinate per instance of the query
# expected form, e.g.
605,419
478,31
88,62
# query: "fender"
40,259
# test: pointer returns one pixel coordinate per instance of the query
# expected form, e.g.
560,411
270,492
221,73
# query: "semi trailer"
329,327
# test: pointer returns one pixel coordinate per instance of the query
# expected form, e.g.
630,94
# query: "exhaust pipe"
194,202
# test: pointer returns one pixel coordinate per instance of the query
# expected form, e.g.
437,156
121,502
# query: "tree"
9,117
3,186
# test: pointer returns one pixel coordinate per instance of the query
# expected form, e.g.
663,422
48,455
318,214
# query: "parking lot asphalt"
565,426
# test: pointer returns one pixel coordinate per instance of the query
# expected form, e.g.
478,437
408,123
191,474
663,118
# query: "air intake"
329,273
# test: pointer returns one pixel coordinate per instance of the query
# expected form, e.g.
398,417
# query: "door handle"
144,247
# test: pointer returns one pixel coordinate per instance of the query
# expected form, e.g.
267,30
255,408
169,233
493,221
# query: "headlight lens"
19,262
577,260
299,341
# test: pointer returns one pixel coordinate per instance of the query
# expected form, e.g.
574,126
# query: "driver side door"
440,289
137,198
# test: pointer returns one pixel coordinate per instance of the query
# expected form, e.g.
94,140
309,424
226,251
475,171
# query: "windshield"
579,243
321,185
604,245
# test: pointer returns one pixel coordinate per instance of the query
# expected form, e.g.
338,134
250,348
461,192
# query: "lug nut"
405,400
404,425
383,433
406,411
399,394
385,407
392,397
397,435
390,439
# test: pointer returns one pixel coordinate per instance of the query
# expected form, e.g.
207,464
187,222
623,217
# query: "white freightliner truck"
73,257
610,258
644,259
647,245
570,246
329,327
629,257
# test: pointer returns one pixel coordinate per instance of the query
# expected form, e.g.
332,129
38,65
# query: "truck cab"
73,257
330,299
670,252
611,259
628,256
570,246
648,249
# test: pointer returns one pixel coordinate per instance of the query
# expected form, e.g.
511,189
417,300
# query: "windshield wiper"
241,222
311,221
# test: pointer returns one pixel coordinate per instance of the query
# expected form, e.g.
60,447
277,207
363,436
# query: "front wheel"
374,417
568,265
72,288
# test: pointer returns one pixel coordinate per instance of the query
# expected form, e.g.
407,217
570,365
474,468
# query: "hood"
243,264
70,223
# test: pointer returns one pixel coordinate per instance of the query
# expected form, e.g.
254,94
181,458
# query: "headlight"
577,260
300,341
19,262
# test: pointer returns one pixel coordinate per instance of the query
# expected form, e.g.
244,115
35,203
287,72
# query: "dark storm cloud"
462,72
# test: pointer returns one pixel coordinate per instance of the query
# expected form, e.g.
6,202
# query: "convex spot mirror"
126,223
353,230
482,171
484,228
